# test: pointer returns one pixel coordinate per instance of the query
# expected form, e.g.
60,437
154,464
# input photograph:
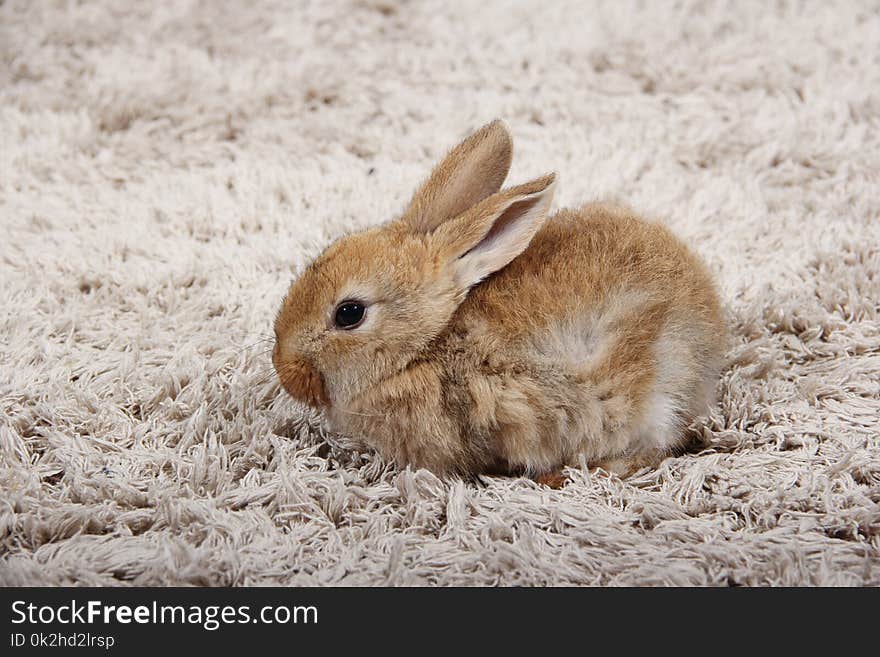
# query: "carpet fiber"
166,169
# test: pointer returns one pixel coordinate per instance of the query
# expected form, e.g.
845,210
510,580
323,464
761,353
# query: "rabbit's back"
603,339
584,259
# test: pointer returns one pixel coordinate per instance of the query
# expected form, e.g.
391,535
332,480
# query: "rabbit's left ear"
490,235
470,172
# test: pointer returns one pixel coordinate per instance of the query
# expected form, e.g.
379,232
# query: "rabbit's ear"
491,234
470,172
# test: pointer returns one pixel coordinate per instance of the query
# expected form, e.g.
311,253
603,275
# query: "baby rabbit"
477,333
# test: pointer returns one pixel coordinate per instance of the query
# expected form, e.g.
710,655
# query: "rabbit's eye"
349,314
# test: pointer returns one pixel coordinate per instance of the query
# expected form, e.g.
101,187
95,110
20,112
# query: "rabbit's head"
372,302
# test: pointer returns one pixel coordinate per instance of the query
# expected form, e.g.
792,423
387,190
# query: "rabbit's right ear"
473,170
491,234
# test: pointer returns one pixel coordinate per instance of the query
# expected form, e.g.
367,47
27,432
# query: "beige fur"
498,338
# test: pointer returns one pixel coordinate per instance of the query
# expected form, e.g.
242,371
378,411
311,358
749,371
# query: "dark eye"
349,314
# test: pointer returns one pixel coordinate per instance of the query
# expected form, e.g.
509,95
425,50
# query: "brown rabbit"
476,333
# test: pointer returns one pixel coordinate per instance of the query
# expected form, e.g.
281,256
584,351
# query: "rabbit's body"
491,338
544,363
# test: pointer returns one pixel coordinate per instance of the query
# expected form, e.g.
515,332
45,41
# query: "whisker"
265,352
342,410
269,370
254,344
262,370
264,379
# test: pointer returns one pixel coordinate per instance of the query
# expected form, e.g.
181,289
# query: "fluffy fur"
476,279
163,166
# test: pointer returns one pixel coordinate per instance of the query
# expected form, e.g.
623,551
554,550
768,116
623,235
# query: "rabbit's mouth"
302,381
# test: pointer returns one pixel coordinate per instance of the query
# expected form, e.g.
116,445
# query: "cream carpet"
165,169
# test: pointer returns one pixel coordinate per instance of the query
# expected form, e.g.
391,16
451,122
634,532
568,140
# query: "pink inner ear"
501,225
